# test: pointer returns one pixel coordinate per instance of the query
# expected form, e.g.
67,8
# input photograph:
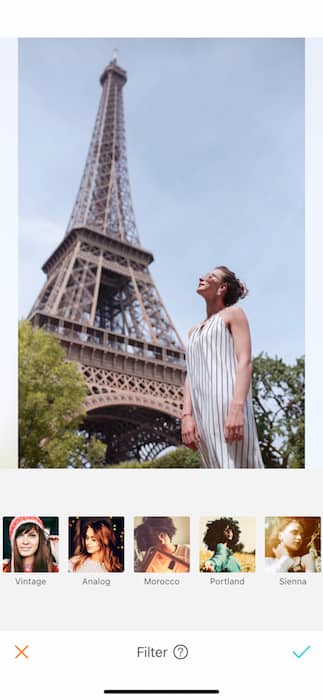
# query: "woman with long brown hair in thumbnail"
32,549
218,417
97,550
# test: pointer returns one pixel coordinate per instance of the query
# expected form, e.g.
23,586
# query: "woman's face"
91,542
164,540
292,536
210,283
228,534
27,543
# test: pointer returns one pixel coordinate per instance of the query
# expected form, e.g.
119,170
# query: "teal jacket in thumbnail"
223,559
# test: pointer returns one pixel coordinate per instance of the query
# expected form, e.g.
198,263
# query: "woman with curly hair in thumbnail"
158,532
96,552
221,538
32,549
218,417
292,545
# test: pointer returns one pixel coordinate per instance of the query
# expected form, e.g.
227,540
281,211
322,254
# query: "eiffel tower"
100,300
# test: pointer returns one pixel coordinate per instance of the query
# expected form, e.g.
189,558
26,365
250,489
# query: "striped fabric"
211,365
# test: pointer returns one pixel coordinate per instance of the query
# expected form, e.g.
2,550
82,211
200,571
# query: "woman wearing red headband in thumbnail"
32,549
218,416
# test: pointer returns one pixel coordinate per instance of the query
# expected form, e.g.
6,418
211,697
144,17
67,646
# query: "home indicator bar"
176,691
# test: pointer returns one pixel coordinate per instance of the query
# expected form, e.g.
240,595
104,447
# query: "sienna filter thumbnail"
228,544
293,544
96,544
30,544
162,544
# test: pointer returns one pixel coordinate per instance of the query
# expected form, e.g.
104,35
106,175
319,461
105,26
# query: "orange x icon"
22,651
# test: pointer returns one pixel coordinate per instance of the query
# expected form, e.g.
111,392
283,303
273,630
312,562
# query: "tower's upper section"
103,202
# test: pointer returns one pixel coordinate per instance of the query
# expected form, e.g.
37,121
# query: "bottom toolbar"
94,665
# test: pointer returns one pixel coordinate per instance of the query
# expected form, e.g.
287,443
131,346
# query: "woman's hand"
233,427
190,434
208,566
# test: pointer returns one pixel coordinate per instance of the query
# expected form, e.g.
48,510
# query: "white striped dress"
211,366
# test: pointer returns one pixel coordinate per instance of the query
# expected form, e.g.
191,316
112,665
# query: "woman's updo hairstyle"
235,288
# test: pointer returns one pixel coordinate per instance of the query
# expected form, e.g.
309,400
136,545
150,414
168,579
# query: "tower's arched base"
133,432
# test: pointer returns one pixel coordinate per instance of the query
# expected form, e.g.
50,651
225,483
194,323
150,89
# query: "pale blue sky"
215,134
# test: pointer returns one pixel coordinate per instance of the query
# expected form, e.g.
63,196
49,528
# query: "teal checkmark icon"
299,656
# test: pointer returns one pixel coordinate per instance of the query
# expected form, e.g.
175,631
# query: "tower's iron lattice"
99,298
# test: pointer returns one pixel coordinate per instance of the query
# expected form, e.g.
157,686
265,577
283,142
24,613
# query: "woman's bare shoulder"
191,331
233,314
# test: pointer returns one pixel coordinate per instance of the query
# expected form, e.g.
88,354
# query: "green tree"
52,396
180,458
278,393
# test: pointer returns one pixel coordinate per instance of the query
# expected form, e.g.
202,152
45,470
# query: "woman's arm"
190,434
239,327
281,565
218,561
308,561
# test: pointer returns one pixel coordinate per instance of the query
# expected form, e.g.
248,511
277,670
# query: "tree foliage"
180,458
52,396
278,394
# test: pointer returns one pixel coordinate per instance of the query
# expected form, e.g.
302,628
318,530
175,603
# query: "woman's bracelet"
185,414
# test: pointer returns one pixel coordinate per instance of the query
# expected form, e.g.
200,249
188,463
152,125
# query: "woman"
221,538
288,549
217,414
32,549
97,549
158,533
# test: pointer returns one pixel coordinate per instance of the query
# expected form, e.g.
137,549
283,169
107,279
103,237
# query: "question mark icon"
180,651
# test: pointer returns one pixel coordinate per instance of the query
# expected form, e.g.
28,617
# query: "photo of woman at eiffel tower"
223,171
218,416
